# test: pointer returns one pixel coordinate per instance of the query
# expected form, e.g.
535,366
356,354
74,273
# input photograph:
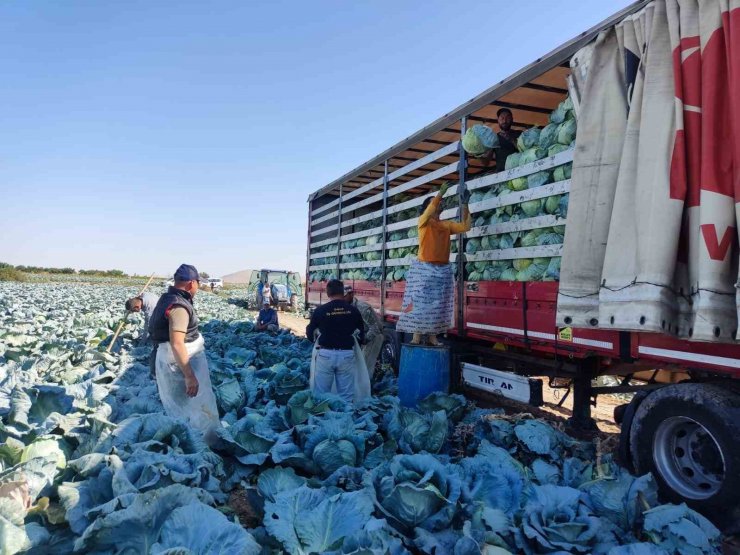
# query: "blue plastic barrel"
423,370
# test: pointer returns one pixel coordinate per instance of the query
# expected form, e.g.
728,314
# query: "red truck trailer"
513,317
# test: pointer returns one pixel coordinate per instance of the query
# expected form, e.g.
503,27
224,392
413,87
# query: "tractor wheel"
687,435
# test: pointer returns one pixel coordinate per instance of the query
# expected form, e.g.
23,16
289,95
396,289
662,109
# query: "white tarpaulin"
651,241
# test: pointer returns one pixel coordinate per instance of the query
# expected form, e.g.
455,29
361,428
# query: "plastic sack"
200,411
362,374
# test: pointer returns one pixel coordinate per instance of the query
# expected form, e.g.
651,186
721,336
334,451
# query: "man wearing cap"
338,323
267,319
145,303
373,329
183,380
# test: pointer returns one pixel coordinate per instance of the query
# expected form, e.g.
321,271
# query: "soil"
602,413
294,322
244,506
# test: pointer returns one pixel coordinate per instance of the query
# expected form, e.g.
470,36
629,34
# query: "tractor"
285,289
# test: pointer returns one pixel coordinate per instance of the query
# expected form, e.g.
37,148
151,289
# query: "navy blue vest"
159,325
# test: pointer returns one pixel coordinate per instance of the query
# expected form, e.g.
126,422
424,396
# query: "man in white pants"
337,322
183,380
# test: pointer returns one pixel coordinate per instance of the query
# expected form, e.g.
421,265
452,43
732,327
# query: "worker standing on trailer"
183,380
336,355
481,142
428,301
373,329
506,138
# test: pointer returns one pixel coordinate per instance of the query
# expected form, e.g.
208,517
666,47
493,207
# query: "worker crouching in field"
373,329
145,303
267,319
428,301
183,380
337,363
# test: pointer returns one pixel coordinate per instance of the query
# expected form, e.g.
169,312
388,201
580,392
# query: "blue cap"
186,272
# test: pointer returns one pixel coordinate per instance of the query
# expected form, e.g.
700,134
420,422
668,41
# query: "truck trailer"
614,254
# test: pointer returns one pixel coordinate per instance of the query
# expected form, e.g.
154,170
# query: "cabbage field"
90,464
518,222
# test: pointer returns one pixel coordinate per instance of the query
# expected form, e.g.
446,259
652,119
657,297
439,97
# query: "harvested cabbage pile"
533,144
89,463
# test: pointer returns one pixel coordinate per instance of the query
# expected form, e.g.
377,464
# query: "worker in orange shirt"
428,301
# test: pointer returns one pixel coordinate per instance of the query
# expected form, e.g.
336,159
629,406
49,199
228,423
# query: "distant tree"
204,275
9,273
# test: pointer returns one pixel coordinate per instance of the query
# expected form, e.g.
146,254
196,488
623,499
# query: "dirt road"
295,323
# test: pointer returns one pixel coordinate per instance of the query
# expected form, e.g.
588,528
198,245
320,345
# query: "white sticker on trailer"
506,384
693,357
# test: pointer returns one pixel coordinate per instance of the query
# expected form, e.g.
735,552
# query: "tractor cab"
281,287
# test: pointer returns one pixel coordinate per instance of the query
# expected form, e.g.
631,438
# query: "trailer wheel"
687,436
390,353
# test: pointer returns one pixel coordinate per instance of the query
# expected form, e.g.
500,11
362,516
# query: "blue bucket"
423,370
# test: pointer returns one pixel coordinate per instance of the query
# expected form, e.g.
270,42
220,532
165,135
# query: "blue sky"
139,134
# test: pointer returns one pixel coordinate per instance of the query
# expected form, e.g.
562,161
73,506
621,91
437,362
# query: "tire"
687,435
294,303
390,353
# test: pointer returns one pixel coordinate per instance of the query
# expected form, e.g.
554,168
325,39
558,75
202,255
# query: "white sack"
362,389
200,411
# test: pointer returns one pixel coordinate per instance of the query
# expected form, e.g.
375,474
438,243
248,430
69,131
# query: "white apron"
362,375
200,411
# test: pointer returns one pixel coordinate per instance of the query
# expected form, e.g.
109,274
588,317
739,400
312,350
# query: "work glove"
464,196
443,188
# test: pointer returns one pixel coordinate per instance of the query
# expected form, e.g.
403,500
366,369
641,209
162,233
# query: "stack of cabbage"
330,258
533,144
90,463
393,273
373,273
362,274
